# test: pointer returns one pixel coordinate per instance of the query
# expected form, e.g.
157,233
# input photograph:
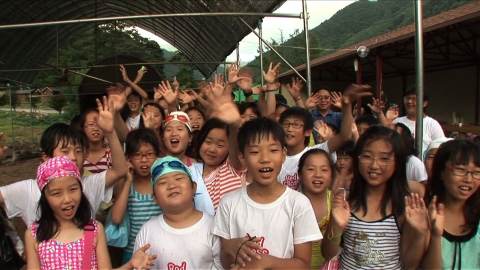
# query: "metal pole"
239,92
31,115
57,50
359,81
151,16
273,50
260,46
307,47
419,77
11,119
379,75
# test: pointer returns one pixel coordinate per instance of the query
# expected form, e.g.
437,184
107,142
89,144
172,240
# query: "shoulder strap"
88,245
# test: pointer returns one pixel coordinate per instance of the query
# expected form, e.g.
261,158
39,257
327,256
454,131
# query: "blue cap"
165,165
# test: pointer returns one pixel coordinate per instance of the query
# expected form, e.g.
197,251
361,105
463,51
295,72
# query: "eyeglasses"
286,125
414,98
90,125
138,156
366,159
324,97
464,172
172,164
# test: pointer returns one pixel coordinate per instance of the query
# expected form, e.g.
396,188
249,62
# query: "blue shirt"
334,118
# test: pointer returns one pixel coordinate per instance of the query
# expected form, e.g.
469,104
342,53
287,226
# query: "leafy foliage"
58,102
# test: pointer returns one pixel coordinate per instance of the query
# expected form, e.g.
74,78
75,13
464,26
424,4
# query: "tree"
58,102
4,99
14,101
34,102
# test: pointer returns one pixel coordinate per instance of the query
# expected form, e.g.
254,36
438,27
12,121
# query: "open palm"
436,216
106,112
416,213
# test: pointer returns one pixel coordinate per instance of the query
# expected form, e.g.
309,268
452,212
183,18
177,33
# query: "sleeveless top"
372,244
461,252
103,164
141,208
317,258
56,255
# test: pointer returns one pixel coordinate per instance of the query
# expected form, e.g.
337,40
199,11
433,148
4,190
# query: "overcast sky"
319,11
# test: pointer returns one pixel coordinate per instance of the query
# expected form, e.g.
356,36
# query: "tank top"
103,164
317,258
461,252
57,255
141,208
372,244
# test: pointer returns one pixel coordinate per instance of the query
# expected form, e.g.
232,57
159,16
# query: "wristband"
271,90
247,94
332,237
297,99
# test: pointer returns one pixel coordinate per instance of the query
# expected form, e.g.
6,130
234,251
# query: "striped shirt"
103,164
371,245
141,208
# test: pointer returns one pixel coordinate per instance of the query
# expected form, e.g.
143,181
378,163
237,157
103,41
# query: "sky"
319,11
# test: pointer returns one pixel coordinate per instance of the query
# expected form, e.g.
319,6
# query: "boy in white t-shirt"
20,199
265,224
181,236
298,125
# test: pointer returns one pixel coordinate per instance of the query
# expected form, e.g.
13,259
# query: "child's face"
74,152
429,161
248,115
63,195
143,159
196,119
134,103
295,131
174,192
164,105
316,174
344,162
156,115
361,128
279,112
94,134
264,159
176,137
377,162
214,149
458,187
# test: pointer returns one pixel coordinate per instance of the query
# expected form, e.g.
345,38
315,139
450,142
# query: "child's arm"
270,77
350,95
134,84
169,96
122,190
118,95
302,256
295,89
433,256
106,123
101,251
33,262
238,251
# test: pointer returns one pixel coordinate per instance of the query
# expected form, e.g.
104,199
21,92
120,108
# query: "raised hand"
167,92
221,102
192,93
295,87
118,96
416,213
376,106
148,120
271,74
175,84
312,101
392,113
233,70
140,73
245,83
336,99
354,92
141,260
322,129
340,207
436,216
184,97
2,148
124,73
157,94
106,112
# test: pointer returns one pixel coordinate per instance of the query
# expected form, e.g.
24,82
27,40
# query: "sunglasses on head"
178,117
68,167
172,164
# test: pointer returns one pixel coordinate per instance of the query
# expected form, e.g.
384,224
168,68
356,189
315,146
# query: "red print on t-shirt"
262,251
292,181
173,266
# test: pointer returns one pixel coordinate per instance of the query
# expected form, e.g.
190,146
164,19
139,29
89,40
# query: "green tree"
185,74
4,99
14,101
58,102
34,102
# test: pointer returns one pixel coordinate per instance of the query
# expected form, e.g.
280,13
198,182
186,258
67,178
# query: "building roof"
460,14
202,39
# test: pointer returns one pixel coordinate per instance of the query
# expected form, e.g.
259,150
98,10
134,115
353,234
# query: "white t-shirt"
194,247
21,198
289,173
133,123
416,169
287,221
431,129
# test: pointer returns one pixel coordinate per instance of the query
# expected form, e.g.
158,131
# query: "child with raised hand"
171,233
59,139
64,236
278,223
99,158
135,98
316,171
298,125
375,226
454,197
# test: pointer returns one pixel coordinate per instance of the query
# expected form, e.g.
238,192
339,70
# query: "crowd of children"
205,184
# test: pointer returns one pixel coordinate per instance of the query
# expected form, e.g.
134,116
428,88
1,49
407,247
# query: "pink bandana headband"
55,168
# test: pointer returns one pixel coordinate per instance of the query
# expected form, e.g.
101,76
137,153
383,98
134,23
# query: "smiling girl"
98,159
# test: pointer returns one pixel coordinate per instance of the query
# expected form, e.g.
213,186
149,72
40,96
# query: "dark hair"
142,135
368,119
280,104
249,105
458,152
257,129
75,122
62,133
196,109
317,151
397,186
210,125
323,87
162,113
125,112
407,139
347,149
83,116
48,225
301,114
279,98
412,90
333,128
